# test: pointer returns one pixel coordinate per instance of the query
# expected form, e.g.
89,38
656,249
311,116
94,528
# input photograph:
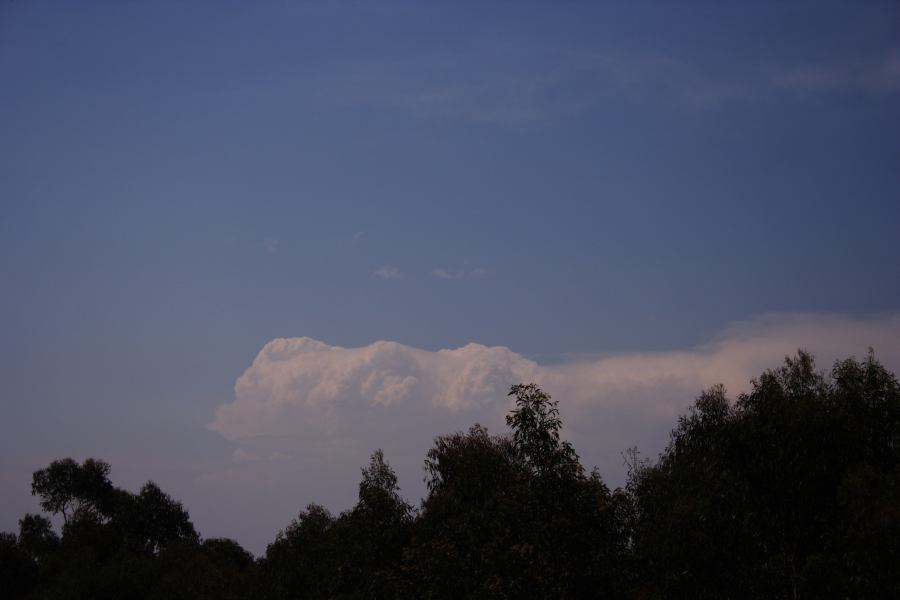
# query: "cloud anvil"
301,388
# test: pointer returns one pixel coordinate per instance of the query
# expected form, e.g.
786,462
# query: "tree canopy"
791,490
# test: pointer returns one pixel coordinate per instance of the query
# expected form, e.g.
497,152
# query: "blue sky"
182,183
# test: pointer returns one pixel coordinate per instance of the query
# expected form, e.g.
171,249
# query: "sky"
242,245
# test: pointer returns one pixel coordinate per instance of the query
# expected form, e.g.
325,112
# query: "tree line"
791,490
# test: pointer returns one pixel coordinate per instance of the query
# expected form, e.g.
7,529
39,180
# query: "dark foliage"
790,491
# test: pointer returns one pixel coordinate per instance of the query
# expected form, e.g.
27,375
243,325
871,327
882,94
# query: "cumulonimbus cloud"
306,415
304,386
304,389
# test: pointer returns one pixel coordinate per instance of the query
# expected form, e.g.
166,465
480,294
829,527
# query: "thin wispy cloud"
562,83
389,272
271,245
881,76
476,273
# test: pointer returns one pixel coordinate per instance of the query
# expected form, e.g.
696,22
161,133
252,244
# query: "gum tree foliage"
70,489
791,490
18,570
85,497
299,563
111,538
151,520
469,539
374,534
37,538
535,425
355,555
514,516
216,569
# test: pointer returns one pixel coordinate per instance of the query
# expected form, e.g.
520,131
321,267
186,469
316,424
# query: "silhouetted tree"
536,425
374,535
37,538
515,517
300,562
769,497
110,536
469,537
73,490
18,570
151,520
356,555
217,569
790,491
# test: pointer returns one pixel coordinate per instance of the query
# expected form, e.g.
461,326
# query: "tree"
374,534
356,555
217,569
36,537
536,424
788,491
470,537
151,520
791,491
299,563
18,572
574,519
515,516
70,489
379,492
111,537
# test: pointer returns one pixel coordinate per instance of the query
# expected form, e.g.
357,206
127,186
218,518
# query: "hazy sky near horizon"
624,201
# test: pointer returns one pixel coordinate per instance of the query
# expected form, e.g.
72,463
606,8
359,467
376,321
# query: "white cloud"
306,415
388,272
300,386
475,273
271,244
303,396
445,274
